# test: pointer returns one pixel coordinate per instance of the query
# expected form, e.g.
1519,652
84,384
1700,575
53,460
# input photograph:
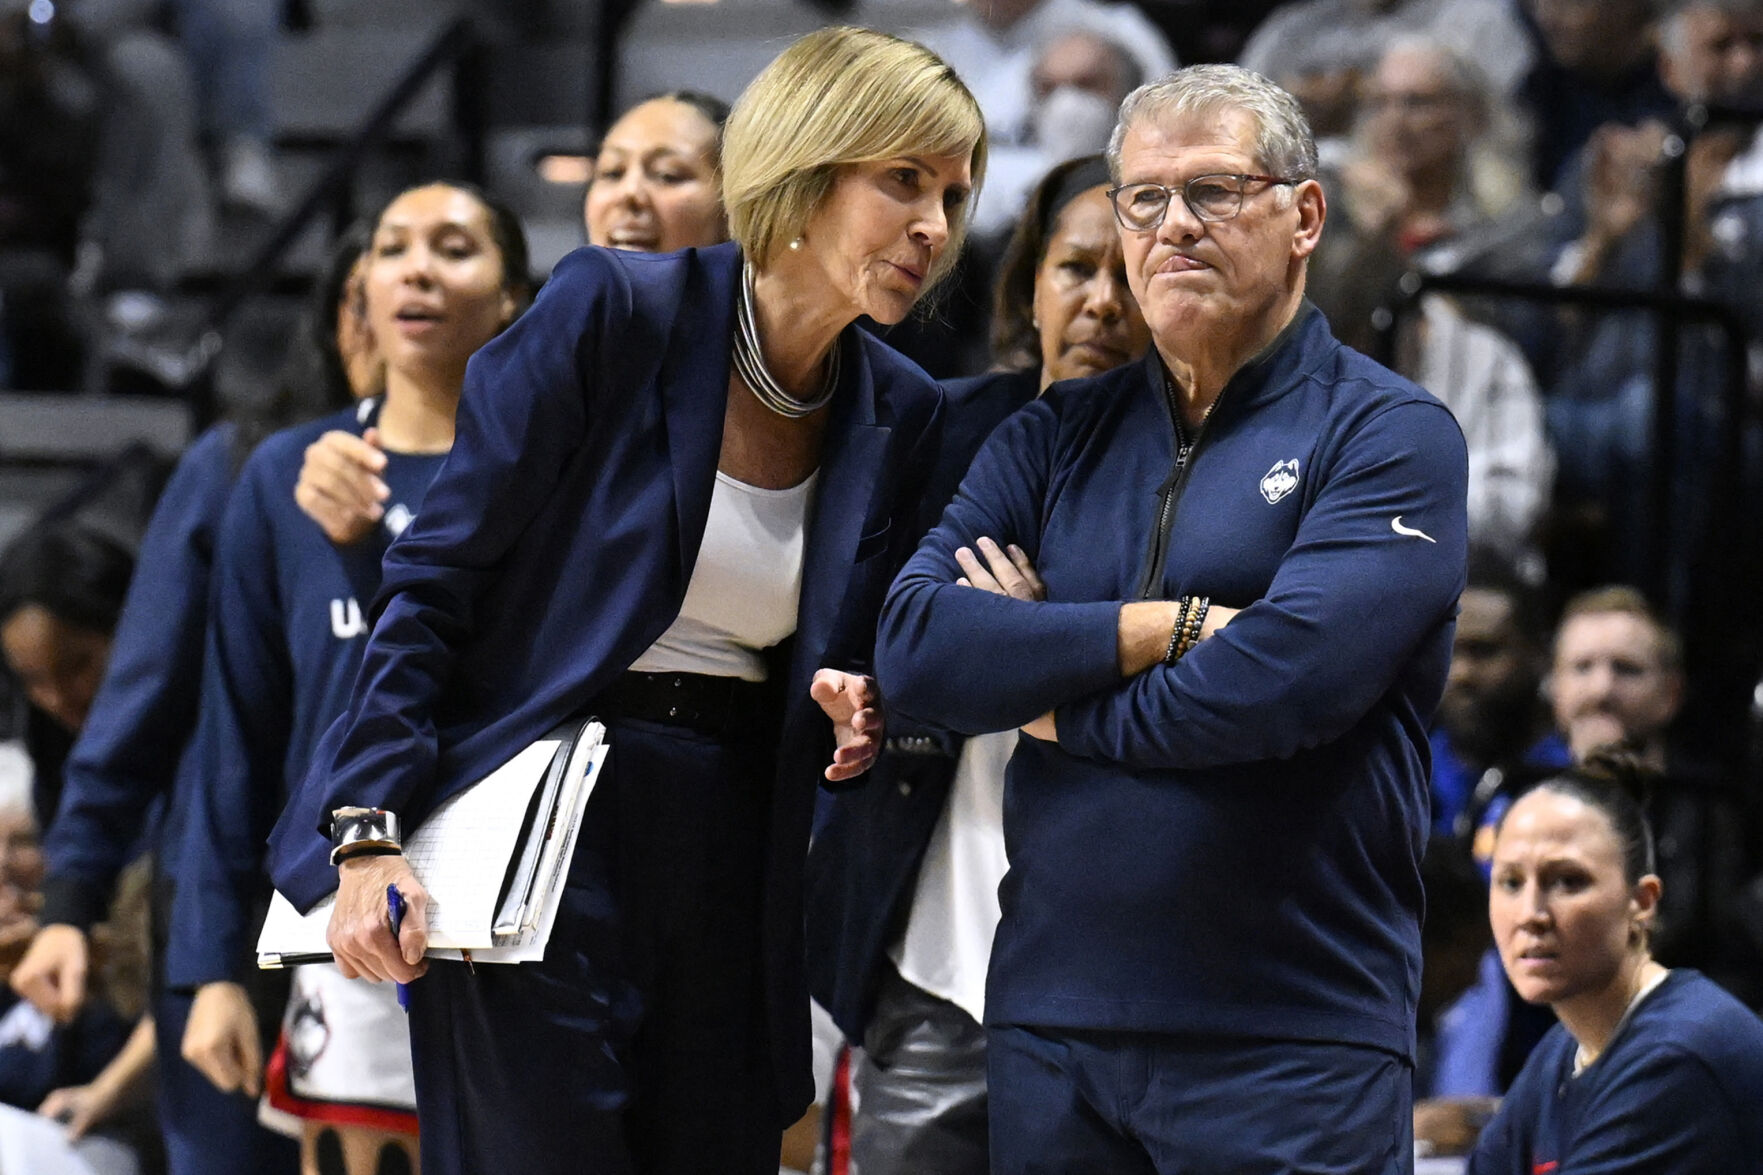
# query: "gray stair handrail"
458,46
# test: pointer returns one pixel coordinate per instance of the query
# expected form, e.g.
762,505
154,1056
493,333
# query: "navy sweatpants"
638,1045
1068,1102
208,1132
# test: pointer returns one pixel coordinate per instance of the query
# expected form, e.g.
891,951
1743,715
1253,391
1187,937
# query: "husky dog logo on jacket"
1281,480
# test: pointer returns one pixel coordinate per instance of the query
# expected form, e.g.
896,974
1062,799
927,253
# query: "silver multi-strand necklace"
750,362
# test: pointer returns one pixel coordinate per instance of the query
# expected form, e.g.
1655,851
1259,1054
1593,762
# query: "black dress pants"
637,1046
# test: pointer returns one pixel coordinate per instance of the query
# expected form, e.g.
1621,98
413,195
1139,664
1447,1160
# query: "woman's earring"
796,245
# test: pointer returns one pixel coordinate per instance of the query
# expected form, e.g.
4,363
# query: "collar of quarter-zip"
1184,443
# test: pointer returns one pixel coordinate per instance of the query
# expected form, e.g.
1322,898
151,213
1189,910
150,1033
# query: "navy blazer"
869,841
556,545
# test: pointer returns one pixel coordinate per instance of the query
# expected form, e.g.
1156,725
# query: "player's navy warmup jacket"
288,627
137,748
133,746
1678,1091
1231,845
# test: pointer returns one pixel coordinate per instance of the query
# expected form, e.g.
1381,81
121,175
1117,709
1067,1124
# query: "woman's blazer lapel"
693,376
851,472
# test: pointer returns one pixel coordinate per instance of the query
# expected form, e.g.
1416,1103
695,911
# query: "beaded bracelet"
1173,653
1197,622
1189,623
1187,628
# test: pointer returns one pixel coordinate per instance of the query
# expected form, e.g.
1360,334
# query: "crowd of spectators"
128,129
1500,175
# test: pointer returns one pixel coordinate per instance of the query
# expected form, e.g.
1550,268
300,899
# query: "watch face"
350,826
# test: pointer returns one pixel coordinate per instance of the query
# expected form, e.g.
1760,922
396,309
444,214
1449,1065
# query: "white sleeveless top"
745,584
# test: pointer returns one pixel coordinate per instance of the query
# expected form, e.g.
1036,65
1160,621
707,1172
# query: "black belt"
727,707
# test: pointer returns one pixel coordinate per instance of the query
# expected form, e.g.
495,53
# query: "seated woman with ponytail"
1650,1071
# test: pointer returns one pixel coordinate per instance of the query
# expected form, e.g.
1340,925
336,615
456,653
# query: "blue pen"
395,908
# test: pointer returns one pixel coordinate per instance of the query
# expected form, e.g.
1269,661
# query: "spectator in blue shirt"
1492,727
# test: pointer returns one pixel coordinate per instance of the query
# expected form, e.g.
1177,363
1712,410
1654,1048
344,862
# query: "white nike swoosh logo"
1396,525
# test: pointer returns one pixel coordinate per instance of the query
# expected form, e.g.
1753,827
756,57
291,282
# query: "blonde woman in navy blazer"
666,1029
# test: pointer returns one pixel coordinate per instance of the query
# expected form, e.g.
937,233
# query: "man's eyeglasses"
1140,208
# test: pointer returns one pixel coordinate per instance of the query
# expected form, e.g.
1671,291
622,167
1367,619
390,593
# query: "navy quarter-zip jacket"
1230,845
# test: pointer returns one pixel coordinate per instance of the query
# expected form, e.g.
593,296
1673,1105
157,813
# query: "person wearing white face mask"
1000,48
1078,83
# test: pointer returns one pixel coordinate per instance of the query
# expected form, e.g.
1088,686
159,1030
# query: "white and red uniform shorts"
344,1054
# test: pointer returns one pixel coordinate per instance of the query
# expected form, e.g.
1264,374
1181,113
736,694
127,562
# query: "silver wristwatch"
363,830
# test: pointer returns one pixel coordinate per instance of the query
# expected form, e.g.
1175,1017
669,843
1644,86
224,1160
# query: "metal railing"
1670,311
1711,605
457,47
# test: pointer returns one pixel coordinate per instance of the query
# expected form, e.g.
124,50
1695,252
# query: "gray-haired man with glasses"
1223,625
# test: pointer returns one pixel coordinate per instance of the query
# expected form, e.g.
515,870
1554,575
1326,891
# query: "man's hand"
1004,573
221,1039
52,974
1007,572
360,934
339,486
853,703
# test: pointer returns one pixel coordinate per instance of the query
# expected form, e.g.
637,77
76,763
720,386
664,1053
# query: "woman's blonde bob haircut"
838,96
